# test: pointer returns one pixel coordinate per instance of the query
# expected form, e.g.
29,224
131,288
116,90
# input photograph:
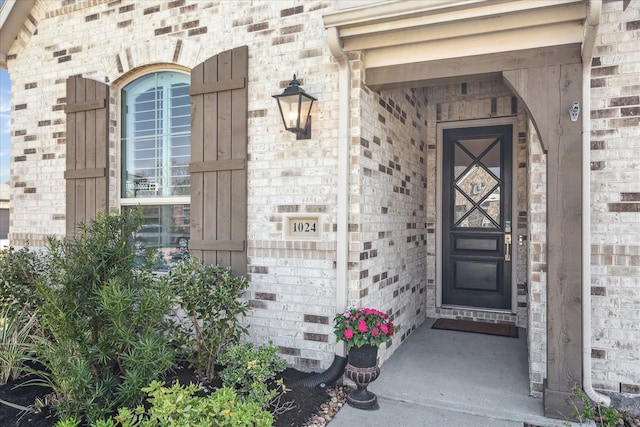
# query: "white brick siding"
615,200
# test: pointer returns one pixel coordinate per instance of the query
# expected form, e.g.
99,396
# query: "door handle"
507,247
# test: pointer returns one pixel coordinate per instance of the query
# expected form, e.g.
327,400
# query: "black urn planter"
362,368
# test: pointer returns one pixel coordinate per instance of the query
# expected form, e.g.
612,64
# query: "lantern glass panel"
289,104
305,110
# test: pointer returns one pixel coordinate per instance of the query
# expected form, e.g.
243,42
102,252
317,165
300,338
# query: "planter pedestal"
362,368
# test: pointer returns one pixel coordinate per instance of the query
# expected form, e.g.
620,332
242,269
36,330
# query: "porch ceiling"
418,43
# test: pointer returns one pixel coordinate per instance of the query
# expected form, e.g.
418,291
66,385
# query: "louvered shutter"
86,174
219,160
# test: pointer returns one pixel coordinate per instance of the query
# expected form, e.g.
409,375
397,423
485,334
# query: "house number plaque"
302,227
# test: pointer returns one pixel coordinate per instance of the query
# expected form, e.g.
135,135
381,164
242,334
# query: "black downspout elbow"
328,377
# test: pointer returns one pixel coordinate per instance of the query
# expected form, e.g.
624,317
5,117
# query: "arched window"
155,156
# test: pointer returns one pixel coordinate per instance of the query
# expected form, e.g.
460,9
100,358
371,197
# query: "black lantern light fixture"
295,109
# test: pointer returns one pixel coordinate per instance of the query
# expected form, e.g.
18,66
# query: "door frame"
513,121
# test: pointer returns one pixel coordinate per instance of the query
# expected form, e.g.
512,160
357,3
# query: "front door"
476,225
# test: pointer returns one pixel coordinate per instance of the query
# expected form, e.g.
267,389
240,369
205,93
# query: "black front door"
476,225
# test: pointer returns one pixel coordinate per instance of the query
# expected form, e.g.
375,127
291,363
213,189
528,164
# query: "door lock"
507,247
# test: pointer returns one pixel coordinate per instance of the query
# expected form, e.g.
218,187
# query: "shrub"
177,406
208,310
20,270
251,370
103,321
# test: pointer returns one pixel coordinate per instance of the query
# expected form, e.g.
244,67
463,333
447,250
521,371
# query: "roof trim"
398,33
13,14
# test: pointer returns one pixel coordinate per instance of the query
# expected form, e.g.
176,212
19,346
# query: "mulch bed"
311,406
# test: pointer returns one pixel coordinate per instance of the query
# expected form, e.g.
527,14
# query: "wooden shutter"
86,174
219,160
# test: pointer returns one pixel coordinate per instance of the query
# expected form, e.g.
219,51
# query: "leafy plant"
360,326
208,310
15,329
68,422
75,422
103,321
177,406
20,270
250,370
602,415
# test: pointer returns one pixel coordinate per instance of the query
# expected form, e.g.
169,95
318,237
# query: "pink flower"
358,325
362,326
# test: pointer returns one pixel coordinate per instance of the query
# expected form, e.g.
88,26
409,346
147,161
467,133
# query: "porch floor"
447,378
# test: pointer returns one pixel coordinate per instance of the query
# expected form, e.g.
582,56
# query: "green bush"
20,270
208,310
177,406
103,320
250,370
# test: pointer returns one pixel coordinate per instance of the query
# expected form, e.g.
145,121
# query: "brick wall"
537,268
388,217
285,175
615,200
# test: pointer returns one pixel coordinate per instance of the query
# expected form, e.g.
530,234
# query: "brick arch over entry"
169,50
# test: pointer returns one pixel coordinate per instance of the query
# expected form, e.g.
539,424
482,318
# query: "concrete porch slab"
445,378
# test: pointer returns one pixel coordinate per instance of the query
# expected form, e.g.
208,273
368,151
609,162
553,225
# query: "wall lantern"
295,109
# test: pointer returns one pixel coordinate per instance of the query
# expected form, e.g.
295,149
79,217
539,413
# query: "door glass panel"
491,205
491,160
477,218
477,146
462,206
477,182
462,161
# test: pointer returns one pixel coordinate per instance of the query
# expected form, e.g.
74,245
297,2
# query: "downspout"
594,8
342,247
336,370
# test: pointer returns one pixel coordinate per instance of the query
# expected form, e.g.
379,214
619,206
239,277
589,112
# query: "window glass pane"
165,231
156,136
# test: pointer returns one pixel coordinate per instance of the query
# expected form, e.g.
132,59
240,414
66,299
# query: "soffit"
403,39
13,13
